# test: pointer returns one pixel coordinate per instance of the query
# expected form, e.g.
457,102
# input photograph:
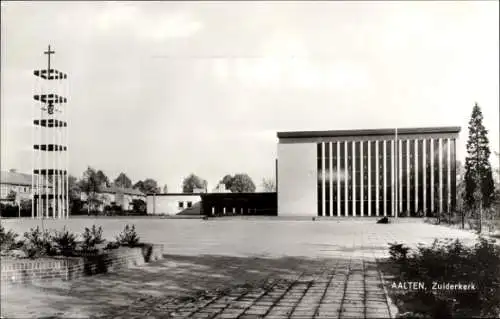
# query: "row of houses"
21,184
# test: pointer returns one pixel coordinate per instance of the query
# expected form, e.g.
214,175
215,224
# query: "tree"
269,185
139,185
74,194
151,186
497,172
460,190
103,179
191,182
91,186
74,189
11,196
239,183
123,181
227,180
478,178
148,186
139,206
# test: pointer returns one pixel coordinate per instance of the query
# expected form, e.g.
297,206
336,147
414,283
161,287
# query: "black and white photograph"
250,159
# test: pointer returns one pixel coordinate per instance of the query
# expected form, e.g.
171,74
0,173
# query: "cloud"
286,72
173,26
125,16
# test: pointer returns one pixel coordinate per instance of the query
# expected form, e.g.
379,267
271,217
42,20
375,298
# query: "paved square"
245,268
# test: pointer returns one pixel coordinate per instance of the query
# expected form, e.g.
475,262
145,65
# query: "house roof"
127,191
15,178
375,132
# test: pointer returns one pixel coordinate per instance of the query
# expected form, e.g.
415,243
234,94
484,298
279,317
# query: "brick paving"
220,269
331,289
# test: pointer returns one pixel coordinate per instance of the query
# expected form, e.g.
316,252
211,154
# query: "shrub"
398,252
8,210
112,245
139,206
7,239
403,214
128,237
91,238
449,261
38,243
64,242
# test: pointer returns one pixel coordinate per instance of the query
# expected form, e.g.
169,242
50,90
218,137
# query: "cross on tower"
49,52
50,107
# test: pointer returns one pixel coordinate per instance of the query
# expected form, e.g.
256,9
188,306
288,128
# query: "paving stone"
281,310
251,316
201,315
255,312
377,314
376,305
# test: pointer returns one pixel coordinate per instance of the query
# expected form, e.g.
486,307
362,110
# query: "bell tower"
50,138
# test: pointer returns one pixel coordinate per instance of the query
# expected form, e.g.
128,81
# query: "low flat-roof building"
384,172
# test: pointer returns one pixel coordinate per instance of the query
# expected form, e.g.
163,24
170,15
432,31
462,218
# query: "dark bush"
76,205
64,242
383,220
91,238
398,252
7,239
451,262
38,243
112,245
8,210
403,214
128,237
139,207
113,209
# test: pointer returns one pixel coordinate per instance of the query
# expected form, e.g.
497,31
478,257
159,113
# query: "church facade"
383,172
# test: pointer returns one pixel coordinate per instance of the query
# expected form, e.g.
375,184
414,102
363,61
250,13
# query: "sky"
164,89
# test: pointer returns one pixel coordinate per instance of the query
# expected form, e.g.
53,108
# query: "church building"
382,172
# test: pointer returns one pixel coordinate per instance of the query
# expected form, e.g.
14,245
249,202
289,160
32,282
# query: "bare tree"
269,185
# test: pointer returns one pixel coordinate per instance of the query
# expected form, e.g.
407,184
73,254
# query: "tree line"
237,183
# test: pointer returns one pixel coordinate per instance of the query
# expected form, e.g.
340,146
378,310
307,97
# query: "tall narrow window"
453,174
357,174
404,170
326,163
350,178
342,177
445,182
373,179
428,174
320,179
365,177
334,200
420,184
388,177
436,176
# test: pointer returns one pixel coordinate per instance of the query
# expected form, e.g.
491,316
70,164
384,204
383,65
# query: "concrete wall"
297,179
168,204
